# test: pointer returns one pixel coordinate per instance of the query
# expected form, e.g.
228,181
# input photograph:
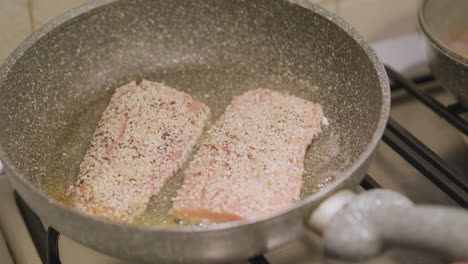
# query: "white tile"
15,25
328,4
46,10
380,19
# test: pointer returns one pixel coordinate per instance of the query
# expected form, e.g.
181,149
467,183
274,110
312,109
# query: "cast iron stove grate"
447,178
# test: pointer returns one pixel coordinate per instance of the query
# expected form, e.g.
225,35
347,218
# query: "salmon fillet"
252,161
142,139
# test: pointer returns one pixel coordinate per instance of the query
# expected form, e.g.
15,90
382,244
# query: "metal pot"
57,83
440,20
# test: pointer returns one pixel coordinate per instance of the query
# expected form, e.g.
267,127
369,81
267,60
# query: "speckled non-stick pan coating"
57,83
449,67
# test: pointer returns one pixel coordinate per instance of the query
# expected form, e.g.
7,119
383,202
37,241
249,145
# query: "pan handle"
356,227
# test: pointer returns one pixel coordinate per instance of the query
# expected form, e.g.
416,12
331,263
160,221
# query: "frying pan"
57,83
449,66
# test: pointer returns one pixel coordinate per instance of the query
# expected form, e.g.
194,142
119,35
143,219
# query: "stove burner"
438,171
46,242
447,178
258,260
450,113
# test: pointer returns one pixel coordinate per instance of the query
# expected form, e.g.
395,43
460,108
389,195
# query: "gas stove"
422,155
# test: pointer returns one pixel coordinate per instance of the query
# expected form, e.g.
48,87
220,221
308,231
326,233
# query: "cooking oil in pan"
215,86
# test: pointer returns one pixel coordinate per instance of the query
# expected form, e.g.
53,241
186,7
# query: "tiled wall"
19,18
375,19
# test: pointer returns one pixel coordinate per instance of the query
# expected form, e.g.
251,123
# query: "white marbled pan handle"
356,227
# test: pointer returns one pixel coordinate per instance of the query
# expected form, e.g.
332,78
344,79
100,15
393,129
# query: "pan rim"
363,157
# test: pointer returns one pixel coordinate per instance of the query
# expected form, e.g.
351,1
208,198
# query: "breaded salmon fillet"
142,139
252,161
